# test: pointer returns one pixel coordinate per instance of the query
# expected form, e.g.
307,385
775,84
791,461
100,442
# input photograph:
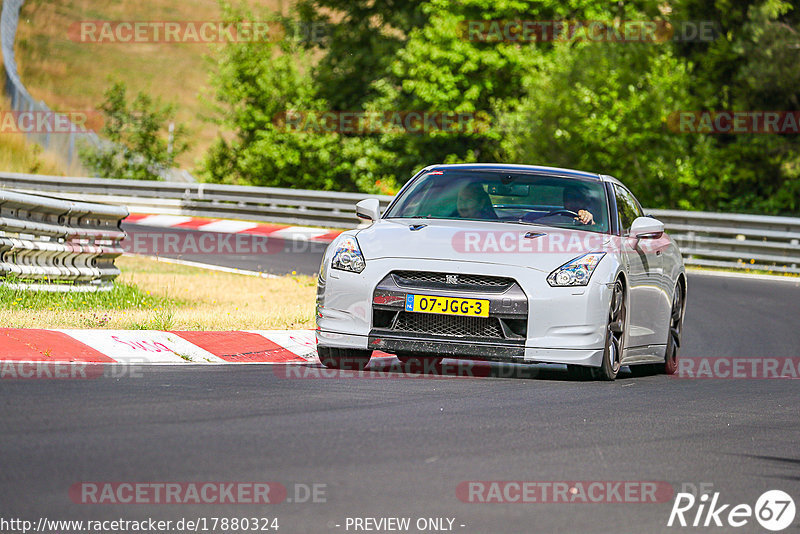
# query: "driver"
577,199
474,203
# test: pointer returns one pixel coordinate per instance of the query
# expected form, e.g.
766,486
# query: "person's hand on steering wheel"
585,217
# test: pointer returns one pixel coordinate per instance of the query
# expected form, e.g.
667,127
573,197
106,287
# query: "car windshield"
505,197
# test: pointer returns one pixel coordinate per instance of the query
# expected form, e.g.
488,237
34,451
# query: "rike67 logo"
774,510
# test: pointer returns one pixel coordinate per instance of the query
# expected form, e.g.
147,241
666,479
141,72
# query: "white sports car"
513,263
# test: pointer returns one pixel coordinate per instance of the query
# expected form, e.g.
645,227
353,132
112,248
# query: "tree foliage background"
598,106
135,131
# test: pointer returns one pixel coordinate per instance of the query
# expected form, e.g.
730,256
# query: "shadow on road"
394,369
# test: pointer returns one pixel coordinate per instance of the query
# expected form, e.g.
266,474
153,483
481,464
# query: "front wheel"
615,334
345,359
670,366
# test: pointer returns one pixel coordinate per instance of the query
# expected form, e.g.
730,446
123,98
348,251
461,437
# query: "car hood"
542,248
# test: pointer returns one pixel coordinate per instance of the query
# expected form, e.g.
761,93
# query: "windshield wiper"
527,223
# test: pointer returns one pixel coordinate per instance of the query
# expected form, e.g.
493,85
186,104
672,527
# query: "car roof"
524,168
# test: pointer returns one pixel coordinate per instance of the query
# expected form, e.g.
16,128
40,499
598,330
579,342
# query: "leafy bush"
136,148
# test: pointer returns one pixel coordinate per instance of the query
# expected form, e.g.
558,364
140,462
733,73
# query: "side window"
627,208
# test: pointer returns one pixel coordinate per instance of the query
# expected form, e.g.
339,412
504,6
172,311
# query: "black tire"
615,336
670,365
615,333
345,359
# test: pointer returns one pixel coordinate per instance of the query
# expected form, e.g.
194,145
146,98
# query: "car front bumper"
562,325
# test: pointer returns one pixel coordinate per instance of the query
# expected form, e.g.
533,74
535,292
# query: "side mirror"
647,228
369,209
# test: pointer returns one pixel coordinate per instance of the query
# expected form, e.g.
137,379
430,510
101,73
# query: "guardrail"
706,239
57,245
268,204
733,240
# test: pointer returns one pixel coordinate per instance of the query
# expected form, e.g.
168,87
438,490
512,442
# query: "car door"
643,263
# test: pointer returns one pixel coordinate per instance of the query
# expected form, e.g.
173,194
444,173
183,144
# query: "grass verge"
777,272
153,295
18,154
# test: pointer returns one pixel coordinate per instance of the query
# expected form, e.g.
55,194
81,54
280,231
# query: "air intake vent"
475,282
449,325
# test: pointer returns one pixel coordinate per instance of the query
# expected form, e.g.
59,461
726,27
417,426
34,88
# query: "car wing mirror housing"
369,209
647,228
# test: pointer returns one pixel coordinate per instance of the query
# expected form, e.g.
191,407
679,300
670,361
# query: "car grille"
440,280
448,325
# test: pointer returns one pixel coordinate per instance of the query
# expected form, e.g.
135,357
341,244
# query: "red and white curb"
159,347
301,233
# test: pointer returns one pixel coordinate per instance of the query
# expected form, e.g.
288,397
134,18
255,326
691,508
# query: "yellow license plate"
447,305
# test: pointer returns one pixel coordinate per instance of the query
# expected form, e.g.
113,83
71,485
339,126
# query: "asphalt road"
400,446
282,255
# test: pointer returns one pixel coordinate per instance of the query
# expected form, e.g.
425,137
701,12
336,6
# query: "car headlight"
576,272
347,256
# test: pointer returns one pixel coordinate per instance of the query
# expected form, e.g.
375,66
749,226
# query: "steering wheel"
562,211
532,216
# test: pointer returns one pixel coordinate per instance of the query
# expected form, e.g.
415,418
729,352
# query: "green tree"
134,145
437,68
751,65
606,108
602,106
362,40
256,85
